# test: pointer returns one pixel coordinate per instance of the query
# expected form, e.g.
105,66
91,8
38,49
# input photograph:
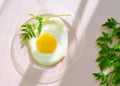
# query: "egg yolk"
46,43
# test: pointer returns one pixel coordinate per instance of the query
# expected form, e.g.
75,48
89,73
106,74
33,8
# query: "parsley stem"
117,22
110,78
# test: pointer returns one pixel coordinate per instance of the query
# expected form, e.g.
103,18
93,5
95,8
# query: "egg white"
56,27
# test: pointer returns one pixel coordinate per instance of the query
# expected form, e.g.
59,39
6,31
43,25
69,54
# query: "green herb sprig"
27,32
109,54
28,28
40,21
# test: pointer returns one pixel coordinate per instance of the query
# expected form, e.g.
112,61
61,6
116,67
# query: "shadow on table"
29,79
3,5
33,80
81,72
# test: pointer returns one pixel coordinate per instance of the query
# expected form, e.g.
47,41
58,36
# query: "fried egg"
51,46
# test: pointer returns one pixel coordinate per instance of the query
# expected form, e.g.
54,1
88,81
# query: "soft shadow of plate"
28,68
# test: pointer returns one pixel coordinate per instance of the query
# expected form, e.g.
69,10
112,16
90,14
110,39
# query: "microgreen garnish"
40,21
109,54
28,28
27,32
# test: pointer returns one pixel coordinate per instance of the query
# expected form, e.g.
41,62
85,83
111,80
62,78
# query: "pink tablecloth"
92,13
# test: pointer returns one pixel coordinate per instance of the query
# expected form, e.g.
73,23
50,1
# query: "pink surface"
92,13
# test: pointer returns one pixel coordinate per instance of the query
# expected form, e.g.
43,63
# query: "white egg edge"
58,60
48,64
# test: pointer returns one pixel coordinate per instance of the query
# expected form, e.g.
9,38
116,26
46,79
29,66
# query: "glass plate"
22,58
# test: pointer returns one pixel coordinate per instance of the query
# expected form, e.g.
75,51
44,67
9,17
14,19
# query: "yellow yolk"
46,43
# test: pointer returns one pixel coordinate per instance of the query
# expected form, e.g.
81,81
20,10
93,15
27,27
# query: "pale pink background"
92,13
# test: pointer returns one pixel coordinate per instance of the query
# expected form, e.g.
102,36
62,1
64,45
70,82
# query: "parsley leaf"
117,47
118,32
109,54
116,78
110,23
104,62
106,38
103,77
104,49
